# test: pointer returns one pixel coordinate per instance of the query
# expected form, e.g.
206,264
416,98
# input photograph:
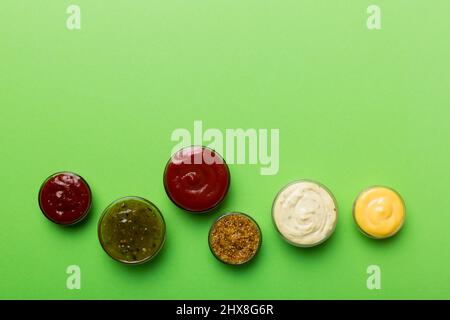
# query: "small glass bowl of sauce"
65,198
132,230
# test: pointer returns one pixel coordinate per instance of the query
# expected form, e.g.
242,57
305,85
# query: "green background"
354,107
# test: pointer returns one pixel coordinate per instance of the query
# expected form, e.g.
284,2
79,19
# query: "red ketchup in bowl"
196,179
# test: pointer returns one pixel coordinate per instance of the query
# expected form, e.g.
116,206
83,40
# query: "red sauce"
65,198
196,179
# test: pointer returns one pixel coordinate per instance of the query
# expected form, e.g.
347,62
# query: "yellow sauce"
379,212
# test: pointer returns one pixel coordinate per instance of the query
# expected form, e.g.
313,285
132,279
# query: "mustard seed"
234,238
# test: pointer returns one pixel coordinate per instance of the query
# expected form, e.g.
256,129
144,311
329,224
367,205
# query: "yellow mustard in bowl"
379,212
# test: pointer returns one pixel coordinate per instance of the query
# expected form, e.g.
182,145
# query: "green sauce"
132,230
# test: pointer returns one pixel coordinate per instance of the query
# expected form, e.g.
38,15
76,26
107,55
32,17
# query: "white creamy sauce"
305,213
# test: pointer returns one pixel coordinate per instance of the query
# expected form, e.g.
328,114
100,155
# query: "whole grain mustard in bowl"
235,238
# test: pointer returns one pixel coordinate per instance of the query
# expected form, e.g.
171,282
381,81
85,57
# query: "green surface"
354,108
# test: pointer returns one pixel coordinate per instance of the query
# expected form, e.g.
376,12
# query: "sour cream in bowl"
305,213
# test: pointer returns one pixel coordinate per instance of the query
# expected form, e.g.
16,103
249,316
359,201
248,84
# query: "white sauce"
305,213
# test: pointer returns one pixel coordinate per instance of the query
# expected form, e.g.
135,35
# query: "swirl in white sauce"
305,213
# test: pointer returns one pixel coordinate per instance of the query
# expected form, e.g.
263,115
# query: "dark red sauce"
196,179
65,198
